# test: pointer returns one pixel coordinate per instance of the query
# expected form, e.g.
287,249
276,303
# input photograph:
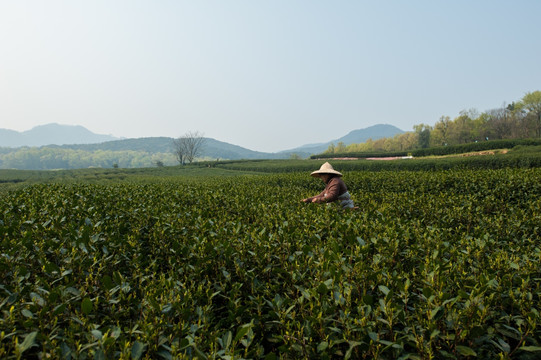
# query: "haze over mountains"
70,136
354,137
55,146
51,134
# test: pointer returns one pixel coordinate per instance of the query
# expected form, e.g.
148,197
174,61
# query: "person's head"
326,172
326,177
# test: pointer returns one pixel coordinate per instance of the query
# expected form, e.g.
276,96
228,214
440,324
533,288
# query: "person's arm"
330,194
314,198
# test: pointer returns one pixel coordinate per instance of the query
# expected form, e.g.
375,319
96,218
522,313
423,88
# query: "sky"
265,75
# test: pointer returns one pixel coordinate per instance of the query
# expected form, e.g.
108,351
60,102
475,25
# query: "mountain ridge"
77,137
51,134
357,136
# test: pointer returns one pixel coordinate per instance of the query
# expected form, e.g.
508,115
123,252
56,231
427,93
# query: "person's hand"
305,200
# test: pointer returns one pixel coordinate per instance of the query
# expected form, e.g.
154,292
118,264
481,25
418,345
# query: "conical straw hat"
325,169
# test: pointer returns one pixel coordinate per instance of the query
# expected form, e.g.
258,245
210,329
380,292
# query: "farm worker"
335,188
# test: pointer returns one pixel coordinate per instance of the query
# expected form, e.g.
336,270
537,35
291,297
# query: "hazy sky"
266,75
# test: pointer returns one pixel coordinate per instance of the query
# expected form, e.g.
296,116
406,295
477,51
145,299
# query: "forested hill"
212,148
151,145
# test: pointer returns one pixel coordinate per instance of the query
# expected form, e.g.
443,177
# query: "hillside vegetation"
127,153
527,145
518,120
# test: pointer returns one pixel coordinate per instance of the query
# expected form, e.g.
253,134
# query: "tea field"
434,265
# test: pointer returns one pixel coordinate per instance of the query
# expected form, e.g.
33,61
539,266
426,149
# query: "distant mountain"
51,134
79,138
354,137
52,139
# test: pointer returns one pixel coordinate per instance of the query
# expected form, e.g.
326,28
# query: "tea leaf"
86,306
466,351
384,289
28,342
97,334
137,350
322,346
530,348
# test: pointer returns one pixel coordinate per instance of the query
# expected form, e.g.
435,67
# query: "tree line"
518,120
45,158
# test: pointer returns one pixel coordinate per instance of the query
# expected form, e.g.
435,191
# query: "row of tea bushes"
433,265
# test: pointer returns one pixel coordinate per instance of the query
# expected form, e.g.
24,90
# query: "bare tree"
178,149
500,123
188,146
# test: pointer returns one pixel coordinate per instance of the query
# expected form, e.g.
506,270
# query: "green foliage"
55,157
476,146
440,150
16,179
526,149
520,120
499,161
438,264
360,155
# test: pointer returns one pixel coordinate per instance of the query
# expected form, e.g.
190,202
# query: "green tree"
531,104
407,141
460,131
439,135
482,127
330,149
340,148
423,135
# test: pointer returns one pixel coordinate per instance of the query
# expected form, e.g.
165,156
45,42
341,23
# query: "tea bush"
440,264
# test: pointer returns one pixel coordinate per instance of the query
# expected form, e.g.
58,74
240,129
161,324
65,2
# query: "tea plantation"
434,265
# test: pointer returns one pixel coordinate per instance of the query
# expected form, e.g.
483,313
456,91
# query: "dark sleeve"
332,189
